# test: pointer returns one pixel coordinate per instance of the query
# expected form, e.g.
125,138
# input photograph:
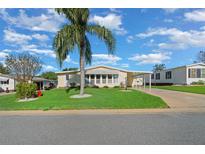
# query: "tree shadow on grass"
72,88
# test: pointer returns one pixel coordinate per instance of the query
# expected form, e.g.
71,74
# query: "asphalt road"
156,128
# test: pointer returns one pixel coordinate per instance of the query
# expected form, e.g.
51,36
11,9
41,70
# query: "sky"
144,37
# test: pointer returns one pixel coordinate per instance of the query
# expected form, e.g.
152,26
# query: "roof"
6,75
189,65
109,67
40,79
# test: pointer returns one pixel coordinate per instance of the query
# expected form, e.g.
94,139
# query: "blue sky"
144,37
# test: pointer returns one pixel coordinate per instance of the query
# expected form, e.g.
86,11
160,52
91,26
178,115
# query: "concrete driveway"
176,99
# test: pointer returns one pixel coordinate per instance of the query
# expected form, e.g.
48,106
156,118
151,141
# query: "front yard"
103,98
191,89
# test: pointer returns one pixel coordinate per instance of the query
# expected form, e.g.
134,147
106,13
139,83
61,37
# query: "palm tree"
74,34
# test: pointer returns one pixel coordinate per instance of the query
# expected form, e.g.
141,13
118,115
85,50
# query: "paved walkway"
176,99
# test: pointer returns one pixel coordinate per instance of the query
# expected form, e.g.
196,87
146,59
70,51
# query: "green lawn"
105,98
191,89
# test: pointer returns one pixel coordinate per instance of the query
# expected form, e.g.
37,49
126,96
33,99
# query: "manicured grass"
191,89
105,98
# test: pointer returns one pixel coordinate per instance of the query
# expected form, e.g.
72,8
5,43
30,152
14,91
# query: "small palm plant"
74,34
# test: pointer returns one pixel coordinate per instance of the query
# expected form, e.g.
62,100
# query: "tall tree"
201,57
3,69
159,67
23,66
70,69
49,75
74,34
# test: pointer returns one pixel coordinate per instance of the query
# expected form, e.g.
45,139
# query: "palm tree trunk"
82,70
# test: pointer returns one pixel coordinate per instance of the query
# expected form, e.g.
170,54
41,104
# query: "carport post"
150,82
144,81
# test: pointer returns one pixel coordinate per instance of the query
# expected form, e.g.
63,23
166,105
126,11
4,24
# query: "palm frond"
64,42
75,15
104,34
88,51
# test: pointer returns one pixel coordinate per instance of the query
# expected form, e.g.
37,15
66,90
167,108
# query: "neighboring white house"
102,76
7,82
183,75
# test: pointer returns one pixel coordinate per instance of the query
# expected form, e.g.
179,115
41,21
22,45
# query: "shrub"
116,87
73,84
25,90
105,87
200,82
94,86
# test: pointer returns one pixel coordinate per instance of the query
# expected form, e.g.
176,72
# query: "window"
5,82
97,79
104,79
203,72
109,78
92,77
195,73
152,76
198,73
87,77
168,75
115,78
157,76
67,76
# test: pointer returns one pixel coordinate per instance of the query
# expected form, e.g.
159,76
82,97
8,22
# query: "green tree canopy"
49,75
159,67
70,69
3,69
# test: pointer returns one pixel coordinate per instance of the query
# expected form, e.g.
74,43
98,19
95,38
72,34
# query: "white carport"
143,75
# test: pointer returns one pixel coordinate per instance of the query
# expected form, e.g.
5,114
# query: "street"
142,128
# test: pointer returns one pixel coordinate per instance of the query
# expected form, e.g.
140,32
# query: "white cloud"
152,58
12,37
110,21
104,59
50,21
168,20
115,10
196,15
40,37
125,65
69,60
170,10
33,48
3,55
49,68
6,50
130,39
178,39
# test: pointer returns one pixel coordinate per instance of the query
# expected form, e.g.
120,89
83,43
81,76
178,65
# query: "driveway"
176,99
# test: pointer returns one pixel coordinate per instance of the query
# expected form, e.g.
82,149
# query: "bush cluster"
200,82
25,90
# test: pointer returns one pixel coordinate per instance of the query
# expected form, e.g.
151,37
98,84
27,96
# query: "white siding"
190,80
62,82
11,86
178,76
